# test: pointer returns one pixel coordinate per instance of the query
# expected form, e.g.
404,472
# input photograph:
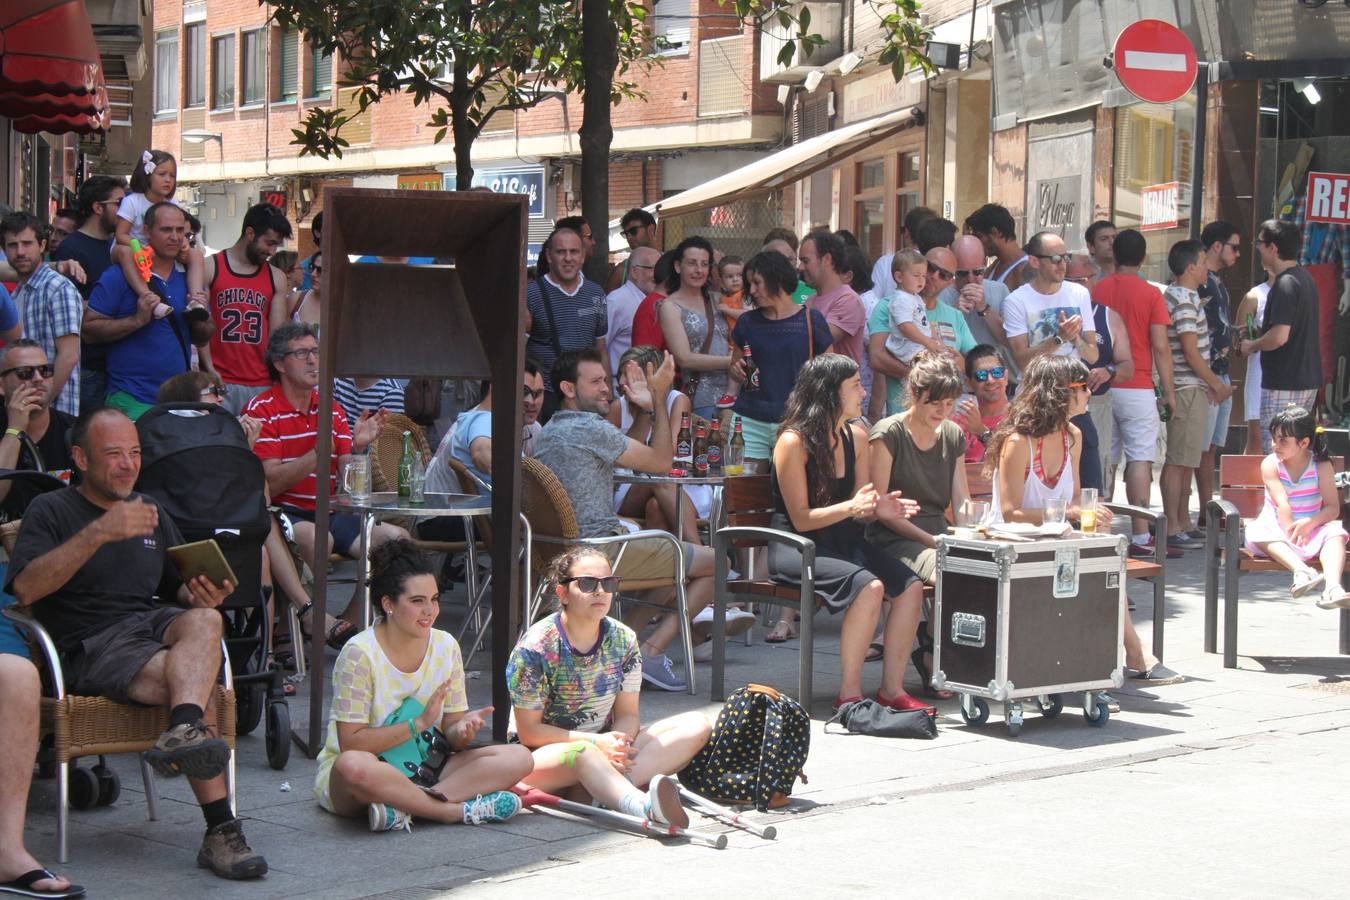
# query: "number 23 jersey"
240,305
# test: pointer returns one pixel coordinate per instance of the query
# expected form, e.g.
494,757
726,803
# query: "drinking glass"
356,477
1087,510
1054,511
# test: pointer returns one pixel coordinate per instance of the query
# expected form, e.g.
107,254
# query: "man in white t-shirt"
1049,316
622,302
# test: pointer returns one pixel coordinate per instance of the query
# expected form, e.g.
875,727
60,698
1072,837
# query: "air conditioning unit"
827,21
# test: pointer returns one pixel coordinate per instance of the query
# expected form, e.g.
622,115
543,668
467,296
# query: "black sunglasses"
632,230
1053,258
968,273
589,584
214,390
25,373
527,394
934,269
995,373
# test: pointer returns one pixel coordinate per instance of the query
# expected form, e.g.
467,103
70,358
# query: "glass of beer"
356,477
1087,510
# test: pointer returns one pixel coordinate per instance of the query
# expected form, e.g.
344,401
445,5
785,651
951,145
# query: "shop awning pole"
1198,165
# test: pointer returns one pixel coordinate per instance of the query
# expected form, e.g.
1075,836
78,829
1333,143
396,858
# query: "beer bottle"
715,449
734,464
751,369
701,452
405,466
1252,333
1164,411
684,446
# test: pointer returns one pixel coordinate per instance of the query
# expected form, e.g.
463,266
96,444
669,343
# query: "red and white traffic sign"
1328,198
1155,61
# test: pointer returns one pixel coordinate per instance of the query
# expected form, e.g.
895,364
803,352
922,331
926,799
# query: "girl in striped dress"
1301,520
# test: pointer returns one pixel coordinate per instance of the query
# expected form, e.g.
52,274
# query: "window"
166,73
671,24
254,67
222,72
320,72
871,174
288,65
194,60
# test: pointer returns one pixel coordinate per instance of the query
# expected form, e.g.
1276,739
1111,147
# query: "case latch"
968,629
1066,573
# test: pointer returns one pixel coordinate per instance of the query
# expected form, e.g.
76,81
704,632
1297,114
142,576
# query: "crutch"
712,810
614,819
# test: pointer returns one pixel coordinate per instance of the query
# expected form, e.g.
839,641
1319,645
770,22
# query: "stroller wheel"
278,734
251,699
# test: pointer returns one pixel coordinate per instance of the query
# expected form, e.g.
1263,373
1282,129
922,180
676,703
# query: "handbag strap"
542,281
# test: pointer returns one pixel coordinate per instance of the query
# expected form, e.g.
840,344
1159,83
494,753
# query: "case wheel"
1051,706
83,787
109,785
278,737
1014,727
978,712
1097,720
249,707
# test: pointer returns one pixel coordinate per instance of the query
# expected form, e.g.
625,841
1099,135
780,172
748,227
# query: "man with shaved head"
623,301
980,300
947,322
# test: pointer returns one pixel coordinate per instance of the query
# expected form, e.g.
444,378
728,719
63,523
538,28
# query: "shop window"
870,217
911,169
222,71
906,201
1153,171
166,73
871,175
194,64
253,67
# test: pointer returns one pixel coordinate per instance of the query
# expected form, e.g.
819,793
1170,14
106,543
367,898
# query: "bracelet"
16,432
981,312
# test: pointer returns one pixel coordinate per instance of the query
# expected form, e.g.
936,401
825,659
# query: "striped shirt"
51,308
581,318
1305,495
387,393
1183,305
288,434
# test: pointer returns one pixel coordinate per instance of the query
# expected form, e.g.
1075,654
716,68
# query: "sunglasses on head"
934,269
589,584
25,373
995,373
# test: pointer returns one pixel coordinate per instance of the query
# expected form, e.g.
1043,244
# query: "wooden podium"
462,316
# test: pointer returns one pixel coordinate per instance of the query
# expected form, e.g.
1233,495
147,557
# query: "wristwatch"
1110,367
981,312
1058,339
985,438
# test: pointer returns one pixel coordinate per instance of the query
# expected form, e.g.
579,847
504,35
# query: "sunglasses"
26,373
942,273
995,373
968,273
317,270
214,390
1078,385
1053,258
527,394
589,584
633,230
1234,245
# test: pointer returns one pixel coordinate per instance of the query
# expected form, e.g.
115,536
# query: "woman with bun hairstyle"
403,657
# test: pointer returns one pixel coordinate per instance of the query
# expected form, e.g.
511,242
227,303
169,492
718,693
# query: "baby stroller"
197,463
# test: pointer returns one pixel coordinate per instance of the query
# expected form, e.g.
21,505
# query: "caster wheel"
1053,707
980,715
1014,729
83,787
109,785
278,736
1097,720
250,703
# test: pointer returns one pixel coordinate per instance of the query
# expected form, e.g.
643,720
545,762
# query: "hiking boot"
384,817
497,806
660,673
663,802
188,750
226,853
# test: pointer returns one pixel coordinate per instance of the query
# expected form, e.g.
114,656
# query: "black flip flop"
339,636
23,886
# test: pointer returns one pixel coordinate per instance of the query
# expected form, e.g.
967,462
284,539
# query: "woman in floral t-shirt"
404,656
574,680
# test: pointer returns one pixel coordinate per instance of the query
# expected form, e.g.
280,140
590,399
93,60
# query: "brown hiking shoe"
188,750
226,853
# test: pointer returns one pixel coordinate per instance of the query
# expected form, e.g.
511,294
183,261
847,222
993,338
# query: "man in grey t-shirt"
582,448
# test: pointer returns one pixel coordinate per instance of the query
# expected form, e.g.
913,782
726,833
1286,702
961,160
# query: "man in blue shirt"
145,351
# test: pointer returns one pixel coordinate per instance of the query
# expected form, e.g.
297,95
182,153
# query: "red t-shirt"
239,305
288,434
1140,305
647,324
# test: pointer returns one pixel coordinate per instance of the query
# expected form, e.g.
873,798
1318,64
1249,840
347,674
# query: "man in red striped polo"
289,412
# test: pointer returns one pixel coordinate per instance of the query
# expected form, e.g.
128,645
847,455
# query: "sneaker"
726,401
188,750
226,853
660,673
1306,580
497,806
1147,551
1183,541
739,621
1198,534
663,802
1334,599
384,817
703,652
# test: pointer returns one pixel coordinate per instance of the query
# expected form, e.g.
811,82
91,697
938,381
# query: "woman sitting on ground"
575,678
820,465
404,657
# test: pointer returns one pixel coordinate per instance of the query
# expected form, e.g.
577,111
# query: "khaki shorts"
647,562
1188,431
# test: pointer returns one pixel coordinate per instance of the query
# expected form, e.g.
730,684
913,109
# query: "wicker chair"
388,449
553,525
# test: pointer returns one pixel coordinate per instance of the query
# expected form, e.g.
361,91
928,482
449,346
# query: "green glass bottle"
405,466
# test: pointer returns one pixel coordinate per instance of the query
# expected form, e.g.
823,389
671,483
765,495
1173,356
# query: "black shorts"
104,664
344,527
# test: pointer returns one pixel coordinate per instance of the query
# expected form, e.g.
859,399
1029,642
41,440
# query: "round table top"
434,504
649,478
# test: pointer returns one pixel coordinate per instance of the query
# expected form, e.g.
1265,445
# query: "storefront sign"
273,198
1329,197
1058,206
421,181
527,180
875,95
1155,61
1161,206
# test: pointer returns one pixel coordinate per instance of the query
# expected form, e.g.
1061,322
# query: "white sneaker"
663,802
385,818
738,620
1306,580
703,652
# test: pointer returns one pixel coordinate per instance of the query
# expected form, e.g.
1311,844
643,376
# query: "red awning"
51,75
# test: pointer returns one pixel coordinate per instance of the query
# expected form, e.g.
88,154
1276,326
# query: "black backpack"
756,752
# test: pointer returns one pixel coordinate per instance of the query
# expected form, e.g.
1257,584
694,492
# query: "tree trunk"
600,53
461,97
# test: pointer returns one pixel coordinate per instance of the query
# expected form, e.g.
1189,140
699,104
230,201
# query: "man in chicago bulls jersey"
245,296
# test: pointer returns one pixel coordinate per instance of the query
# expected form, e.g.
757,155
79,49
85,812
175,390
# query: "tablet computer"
202,558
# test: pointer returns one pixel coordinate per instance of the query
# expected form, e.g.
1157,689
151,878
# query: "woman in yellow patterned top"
403,656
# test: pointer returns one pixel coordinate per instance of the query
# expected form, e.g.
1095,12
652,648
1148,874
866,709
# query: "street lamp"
201,136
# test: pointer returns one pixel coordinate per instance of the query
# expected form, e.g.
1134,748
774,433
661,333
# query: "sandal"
874,651
782,632
23,885
924,668
340,633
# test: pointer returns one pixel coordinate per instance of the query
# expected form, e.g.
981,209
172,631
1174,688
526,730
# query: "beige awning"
790,164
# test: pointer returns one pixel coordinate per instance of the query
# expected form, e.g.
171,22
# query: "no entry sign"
1155,61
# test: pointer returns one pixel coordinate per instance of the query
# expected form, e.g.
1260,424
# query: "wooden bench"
1242,493
1154,572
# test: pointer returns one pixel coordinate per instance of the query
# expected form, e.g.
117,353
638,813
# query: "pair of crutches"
622,821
